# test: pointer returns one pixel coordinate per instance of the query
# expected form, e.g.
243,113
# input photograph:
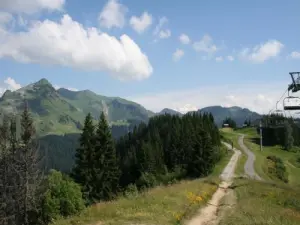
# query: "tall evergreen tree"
28,172
105,165
84,158
288,136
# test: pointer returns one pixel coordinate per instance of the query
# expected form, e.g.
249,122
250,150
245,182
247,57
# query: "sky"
182,55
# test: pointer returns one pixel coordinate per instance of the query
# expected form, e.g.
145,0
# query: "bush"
279,169
63,197
147,180
131,191
171,177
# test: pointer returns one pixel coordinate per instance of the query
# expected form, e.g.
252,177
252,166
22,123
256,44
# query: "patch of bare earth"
222,199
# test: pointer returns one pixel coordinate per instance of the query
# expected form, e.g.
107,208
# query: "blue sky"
178,54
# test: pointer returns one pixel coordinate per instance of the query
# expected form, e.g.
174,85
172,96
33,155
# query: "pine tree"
288,136
82,172
29,175
105,166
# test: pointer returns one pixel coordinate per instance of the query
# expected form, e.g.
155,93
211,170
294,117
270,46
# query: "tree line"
279,130
166,149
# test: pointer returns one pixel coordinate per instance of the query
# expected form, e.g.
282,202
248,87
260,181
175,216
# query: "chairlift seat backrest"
291,103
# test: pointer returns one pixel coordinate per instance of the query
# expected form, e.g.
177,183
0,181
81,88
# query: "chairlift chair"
295,86
291,103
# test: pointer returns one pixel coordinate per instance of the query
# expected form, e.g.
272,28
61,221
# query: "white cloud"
184,39
187,108
12,84
177,55
158,31
219,59
162,21
295,55
68,43
262,52
230,58
257,97
69,88
9,84
113,15
30,6
140,24
205,45
165,34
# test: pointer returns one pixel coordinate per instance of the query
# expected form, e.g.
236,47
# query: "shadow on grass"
257,141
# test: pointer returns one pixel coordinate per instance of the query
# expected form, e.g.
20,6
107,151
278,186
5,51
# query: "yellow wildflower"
199,199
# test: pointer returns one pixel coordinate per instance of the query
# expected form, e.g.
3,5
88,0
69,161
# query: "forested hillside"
279,130
167,148
189,145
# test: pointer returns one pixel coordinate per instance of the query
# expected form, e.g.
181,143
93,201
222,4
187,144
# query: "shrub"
278,168
63,197
147,180
131,191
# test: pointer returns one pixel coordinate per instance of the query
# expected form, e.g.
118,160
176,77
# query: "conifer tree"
82,171
29,178
105,166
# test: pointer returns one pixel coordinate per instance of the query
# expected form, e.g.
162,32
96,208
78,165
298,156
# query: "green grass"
240,170
264,203
229,134
160,205
261,161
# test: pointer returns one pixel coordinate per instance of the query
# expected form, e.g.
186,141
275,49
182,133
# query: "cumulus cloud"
31,6
184,39
12,84
113,15
69,88
9,84
295,55
219,59
261,53
260,98
205,45
165,34
140,24
162,21
177,55
159,31
68,43
230,58
186,108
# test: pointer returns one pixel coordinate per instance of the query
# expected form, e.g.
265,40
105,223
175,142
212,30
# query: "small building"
225,125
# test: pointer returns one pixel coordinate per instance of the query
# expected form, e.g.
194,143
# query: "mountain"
63,111
238,114
169,111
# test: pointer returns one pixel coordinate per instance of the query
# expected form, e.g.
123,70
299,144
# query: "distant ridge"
169,111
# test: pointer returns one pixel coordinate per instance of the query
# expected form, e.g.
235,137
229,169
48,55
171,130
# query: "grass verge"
264,203
260,164
161,205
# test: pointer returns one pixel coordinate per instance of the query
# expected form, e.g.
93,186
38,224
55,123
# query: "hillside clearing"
263,203
161,205
261,157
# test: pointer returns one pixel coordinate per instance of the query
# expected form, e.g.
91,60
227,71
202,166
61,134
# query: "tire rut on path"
209,214
249,165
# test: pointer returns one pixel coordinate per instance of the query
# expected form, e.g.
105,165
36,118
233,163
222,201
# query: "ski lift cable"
279,100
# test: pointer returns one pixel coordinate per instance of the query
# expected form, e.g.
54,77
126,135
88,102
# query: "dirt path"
249,165
208,215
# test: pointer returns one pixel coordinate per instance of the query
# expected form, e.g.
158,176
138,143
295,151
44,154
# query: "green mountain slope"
169,111
63,111
238,114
